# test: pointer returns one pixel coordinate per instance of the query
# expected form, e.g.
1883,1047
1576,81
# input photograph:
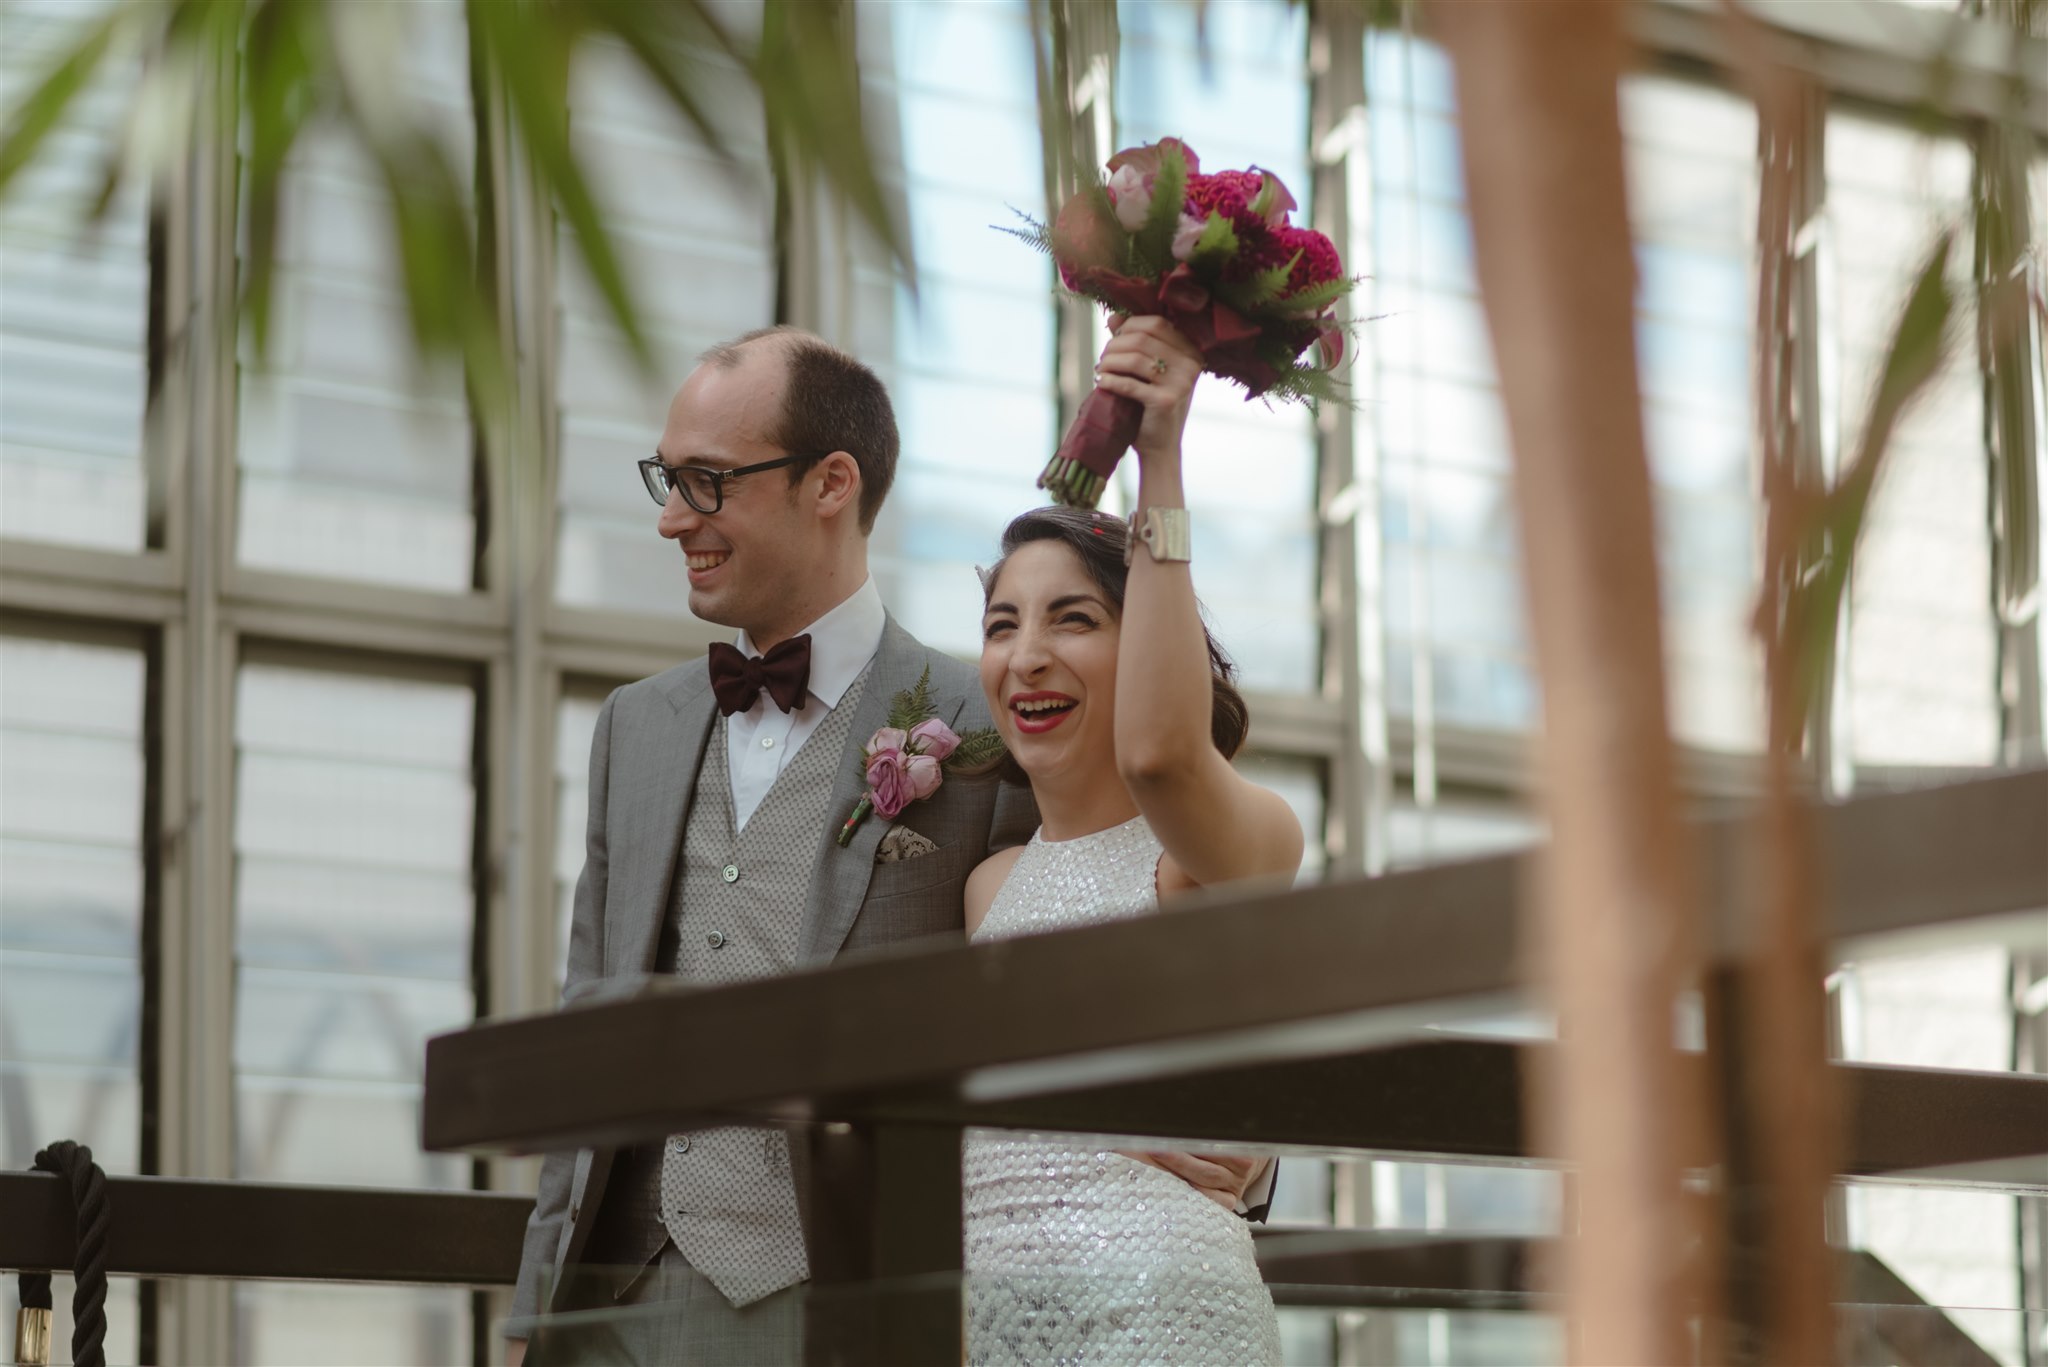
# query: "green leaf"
1154,241
1918,347
533,57
810,91
1217,244
283,47
38,115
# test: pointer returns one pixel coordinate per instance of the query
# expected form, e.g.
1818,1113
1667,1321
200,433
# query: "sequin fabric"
1079,1256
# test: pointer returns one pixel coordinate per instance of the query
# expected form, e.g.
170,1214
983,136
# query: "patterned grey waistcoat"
725,1196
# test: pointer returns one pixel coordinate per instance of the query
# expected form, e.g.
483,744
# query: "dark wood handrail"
1337,969
186,1227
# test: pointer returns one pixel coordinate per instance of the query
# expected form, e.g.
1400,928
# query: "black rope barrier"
73,1163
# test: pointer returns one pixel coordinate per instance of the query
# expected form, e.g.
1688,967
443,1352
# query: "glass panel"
1453,601
1251,469
703,270
74,304
70,898
1305,783
969,360
354,461
354,905
71,922
1922,658
1955,1247
1691,159
1458,824
575,724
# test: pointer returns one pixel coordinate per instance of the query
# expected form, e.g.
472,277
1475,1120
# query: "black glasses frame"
661,478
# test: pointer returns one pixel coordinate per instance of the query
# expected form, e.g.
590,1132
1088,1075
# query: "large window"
354,463
1250,466
71,883
1922,652
266,825
354,910
971,365
697,231
73,308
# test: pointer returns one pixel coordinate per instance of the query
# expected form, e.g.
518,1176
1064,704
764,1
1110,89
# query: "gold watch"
1164,532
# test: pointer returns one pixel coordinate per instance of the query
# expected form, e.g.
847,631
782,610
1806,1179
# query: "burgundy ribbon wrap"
1106,424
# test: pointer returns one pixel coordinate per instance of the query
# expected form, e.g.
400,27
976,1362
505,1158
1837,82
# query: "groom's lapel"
840,884
666,764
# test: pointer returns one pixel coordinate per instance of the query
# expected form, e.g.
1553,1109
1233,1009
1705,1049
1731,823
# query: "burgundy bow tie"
784,672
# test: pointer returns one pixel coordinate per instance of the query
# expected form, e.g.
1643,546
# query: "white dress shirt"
760,740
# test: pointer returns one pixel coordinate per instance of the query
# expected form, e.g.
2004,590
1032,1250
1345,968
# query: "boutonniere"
908,759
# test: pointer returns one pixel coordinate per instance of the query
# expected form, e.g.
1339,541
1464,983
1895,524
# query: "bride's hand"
1148,360
1222,1177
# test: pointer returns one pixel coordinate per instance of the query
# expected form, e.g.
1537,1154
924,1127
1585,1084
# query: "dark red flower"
1318,263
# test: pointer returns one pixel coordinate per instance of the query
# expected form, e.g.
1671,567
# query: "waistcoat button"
730,873
716,939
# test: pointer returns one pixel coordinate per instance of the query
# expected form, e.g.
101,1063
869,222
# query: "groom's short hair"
830,402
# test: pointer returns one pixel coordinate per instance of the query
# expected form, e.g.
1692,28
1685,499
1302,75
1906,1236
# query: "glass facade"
389,813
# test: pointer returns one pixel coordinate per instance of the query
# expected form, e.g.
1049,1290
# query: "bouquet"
1213,254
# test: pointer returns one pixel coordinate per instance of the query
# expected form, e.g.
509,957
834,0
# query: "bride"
1117,706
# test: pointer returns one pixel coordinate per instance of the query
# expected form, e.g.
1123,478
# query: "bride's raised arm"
1214,824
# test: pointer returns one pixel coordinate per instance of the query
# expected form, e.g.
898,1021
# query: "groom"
716,792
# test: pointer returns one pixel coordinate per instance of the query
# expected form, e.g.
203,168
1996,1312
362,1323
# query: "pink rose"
888,738
933,738
923,775
889,783
1189,233
1130,191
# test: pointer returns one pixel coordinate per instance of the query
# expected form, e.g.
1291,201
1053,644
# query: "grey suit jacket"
644,761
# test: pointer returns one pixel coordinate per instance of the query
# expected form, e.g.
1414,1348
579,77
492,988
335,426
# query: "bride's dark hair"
1097,541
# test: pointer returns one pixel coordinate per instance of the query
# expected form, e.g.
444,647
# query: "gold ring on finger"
1158,365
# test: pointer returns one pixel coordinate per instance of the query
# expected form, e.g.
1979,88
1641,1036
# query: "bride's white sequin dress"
1085,1256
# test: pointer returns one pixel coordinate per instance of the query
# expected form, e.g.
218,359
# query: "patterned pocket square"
902,843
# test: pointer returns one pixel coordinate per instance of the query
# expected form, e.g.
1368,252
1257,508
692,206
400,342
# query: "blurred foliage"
308,64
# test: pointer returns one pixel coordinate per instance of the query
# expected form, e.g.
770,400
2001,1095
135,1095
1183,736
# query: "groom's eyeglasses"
703,488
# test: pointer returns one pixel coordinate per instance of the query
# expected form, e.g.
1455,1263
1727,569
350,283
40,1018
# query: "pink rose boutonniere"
908,759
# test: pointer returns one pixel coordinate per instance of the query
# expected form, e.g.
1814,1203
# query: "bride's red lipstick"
1038,723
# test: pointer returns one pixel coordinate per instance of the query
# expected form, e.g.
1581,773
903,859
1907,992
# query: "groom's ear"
839,484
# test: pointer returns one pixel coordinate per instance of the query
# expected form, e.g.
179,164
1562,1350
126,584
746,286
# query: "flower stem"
860,814
1071,483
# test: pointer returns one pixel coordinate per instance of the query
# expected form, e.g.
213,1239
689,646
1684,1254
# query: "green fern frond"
1033,233
976,748
1313,299
1217,244
1259,292
913,705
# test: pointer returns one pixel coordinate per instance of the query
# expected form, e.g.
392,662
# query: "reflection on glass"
696,231
352,462
1251,469
969,359
74,305
1922,658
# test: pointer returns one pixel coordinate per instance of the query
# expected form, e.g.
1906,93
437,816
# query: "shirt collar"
842,642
